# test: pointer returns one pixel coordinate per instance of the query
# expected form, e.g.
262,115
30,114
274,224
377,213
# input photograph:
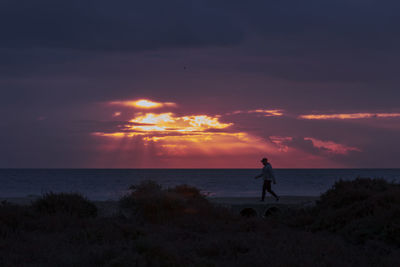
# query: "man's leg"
268,186
263,190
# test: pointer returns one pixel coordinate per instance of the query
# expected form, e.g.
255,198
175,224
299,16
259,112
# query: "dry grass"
72,204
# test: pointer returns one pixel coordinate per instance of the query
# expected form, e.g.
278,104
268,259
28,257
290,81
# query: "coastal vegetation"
360,210
355,223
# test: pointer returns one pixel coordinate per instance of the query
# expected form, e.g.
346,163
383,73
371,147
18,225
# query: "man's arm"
258,176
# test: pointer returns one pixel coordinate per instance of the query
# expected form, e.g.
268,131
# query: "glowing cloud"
169,134
331,146
264,112
349,116
168,122
143,104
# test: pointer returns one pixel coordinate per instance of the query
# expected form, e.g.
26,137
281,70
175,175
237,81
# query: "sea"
111,184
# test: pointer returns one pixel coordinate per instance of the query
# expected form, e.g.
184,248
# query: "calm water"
103,184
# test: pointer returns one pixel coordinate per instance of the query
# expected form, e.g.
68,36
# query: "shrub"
12,218
360,210
69,203
187,191
248,212
147,187
149,201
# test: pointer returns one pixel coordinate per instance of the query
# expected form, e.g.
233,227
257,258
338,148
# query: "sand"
284,200
236,204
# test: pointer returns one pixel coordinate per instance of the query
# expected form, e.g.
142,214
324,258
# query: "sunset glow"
181,135
174,135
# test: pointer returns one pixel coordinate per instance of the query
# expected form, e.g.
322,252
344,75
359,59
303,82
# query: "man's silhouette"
268,176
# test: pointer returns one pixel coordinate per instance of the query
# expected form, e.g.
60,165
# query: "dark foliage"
152,203
248,212
69,203
360,210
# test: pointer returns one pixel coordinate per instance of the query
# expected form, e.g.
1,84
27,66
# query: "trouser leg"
264,188
268,187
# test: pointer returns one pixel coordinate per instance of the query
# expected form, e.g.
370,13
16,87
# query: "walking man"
268,176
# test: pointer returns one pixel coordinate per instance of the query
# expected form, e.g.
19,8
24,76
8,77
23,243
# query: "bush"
186,191
360,210
12,218
149,201
72,204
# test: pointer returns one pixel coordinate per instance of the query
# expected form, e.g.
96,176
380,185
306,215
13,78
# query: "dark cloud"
118,25
328,23
335,41
291,26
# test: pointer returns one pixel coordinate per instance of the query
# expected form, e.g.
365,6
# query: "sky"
199,84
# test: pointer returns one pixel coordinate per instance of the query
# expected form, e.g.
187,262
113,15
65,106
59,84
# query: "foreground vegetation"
361,210
354,224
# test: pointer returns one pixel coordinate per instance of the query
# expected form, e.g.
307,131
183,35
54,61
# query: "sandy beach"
109,207
284,200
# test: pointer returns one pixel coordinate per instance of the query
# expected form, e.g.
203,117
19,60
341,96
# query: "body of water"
104,184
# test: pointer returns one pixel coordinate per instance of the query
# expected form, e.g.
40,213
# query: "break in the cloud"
175,135
349,116
142,104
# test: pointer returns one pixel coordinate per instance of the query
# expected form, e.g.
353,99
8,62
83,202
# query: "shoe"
277,199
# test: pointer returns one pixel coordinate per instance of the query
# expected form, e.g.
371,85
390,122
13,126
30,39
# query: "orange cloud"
143,104
331,146
168,122
265,112
349,116
174,135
